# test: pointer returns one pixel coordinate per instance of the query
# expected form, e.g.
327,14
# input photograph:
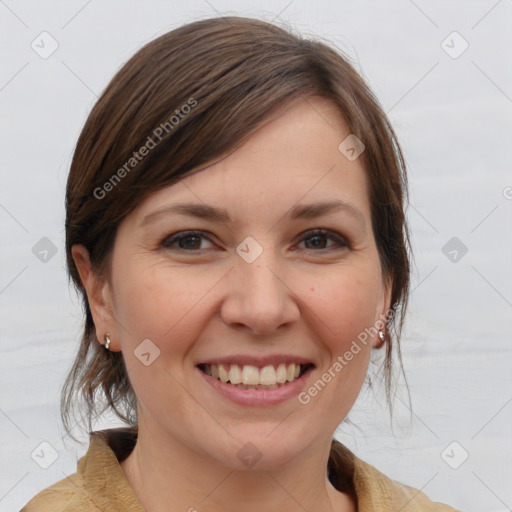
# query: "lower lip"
257,397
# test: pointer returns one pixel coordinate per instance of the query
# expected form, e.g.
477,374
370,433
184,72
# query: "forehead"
293,158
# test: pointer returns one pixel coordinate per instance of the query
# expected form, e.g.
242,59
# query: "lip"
256,397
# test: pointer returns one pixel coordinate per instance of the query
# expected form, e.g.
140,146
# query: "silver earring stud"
107,341
381,335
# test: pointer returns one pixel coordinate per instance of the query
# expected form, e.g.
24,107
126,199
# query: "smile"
253,377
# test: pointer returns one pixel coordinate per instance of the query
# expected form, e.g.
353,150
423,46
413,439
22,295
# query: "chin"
258,449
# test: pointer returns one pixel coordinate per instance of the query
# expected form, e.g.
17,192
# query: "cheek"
344,305
159,303
342,310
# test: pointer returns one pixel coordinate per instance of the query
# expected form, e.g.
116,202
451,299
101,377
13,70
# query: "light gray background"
453,118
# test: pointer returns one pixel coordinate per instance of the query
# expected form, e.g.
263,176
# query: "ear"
383,311
98,296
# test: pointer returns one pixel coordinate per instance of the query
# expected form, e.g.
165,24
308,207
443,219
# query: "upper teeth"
252,376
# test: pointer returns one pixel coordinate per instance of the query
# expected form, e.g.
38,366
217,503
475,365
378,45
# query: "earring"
107,341
382,337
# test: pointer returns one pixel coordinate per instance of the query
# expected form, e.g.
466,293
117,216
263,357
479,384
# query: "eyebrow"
310,211
201,211
301,211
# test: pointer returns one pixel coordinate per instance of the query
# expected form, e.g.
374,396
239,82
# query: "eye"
185,240
319,237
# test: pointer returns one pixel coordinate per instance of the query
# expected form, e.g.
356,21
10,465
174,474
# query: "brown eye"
189,242
316,242
318,239
185,241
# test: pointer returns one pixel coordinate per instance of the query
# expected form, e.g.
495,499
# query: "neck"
169,475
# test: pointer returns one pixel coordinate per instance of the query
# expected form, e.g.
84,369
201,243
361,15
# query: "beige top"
100,484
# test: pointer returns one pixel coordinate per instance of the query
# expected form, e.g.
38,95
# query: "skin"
304,295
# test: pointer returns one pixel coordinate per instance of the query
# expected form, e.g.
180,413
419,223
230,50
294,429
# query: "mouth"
271,376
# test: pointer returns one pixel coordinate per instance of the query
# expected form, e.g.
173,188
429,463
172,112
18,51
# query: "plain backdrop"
441,70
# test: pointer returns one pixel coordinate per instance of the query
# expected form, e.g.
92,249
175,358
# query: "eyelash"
171,239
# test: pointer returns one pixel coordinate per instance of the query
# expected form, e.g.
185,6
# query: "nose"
259,299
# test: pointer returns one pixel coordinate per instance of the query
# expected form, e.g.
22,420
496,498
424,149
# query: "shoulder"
99,482
379,492
376,491
65,495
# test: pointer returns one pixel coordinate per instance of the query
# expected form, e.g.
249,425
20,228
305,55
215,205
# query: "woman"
235,225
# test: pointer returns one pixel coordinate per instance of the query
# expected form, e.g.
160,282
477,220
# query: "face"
240,264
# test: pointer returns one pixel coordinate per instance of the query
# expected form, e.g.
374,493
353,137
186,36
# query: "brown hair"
235,74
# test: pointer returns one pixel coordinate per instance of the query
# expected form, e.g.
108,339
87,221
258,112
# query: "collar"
109,489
